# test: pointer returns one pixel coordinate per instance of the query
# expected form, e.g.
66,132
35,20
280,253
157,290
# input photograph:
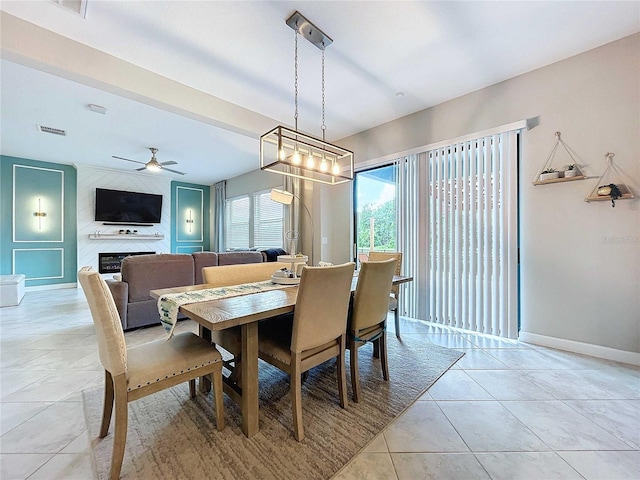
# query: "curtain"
220,197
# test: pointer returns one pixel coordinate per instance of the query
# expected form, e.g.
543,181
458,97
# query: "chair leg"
120,437
192,388
108,404
217,397
296,397
355,374
342,376
376,348
396,314
383,355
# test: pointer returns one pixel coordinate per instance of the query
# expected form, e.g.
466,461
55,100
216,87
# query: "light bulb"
310,162
281,154
324,166
335,169
296,158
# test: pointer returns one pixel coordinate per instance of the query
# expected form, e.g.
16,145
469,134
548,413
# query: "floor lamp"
285,198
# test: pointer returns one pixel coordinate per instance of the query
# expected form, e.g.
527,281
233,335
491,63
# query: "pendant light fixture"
295,154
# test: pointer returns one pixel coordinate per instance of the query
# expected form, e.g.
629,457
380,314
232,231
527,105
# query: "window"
375,205
267,220
253,221
236,228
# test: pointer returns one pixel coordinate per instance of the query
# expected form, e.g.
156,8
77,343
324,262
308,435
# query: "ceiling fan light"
154,167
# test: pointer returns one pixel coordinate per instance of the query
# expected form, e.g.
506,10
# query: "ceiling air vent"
55,131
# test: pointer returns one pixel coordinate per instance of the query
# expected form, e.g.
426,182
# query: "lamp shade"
281,196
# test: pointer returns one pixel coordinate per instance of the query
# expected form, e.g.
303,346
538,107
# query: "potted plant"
549,174
571,170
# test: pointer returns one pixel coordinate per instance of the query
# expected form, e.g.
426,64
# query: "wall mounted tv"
127,208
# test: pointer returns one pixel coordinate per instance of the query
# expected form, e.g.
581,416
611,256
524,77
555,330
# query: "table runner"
169,304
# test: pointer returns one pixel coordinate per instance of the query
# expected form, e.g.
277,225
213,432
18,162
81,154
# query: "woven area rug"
171,436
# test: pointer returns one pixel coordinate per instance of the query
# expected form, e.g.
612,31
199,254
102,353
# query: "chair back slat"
321,306
111,344
371,300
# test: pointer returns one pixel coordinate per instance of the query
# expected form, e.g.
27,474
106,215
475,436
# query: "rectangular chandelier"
288,152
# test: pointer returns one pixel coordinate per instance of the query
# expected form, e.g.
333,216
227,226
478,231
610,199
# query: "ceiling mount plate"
309,31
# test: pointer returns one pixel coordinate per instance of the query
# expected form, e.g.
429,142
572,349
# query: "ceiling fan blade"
127,159
170,162
140,169
173,171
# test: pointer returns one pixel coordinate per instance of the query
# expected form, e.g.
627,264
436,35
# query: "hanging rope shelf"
548,174
614,190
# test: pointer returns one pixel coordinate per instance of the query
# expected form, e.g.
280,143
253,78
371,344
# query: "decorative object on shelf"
548,174
613,190
292,153
571,170
290,276
98,235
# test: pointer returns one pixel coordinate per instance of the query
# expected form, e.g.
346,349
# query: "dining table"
245,311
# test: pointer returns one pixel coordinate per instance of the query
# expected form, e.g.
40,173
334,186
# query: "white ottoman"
11,289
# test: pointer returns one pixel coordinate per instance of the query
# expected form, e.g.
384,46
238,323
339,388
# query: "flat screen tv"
127,208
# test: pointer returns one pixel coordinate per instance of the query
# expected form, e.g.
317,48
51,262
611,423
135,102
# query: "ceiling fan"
152,164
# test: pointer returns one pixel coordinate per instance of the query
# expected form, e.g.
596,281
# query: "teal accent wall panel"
190,207
47,252
40,263
188,249
38,204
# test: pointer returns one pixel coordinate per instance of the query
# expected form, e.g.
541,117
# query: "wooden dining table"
244,311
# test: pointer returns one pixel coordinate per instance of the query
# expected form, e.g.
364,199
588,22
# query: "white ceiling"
242,52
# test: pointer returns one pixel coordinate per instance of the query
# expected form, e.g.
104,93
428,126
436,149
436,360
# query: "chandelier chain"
324,126
295,117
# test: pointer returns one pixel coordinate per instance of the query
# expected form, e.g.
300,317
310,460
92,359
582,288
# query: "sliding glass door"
452,212
375,201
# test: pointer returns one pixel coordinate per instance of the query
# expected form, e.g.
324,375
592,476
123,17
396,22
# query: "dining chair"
395,290
316,334
227,276
368,316
135,372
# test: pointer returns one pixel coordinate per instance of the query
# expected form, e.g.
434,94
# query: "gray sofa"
142,273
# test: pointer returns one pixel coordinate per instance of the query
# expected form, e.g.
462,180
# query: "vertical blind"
457,227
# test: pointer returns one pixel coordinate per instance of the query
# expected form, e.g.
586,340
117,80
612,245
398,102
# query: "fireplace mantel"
124,236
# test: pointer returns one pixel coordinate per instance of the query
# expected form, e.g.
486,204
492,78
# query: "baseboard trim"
57,286
599,351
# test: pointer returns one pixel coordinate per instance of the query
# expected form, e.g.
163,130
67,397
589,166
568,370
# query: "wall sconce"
39,214
190,220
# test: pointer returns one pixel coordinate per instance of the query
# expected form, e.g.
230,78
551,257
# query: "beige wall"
580,262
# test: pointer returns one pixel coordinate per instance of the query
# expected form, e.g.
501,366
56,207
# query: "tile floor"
507,410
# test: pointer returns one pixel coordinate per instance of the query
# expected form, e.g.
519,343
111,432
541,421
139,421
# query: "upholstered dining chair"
316,334
368,316
135,372
226,276
394,298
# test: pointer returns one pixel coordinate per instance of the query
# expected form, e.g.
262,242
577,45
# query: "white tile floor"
507,410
